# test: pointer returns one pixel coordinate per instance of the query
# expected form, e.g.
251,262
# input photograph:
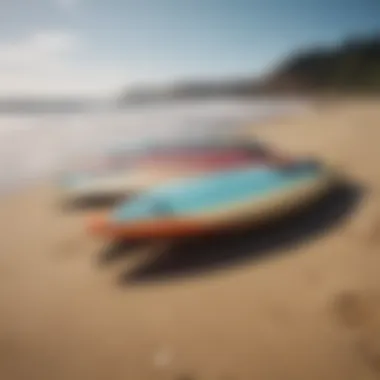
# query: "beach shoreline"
38,147
301,302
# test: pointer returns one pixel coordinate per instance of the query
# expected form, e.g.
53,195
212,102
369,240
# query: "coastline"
36,146
307,309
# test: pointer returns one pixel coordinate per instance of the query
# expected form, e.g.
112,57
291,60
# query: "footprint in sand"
351,309
369,349
361,313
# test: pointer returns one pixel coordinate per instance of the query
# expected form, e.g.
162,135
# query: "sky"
99,47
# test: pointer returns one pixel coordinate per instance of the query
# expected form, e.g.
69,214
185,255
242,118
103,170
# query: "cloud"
46,63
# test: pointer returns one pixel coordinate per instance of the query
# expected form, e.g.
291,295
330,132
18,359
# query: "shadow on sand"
197,256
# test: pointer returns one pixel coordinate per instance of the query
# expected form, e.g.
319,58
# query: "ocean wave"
37,146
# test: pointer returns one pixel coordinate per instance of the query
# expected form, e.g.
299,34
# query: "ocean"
37,145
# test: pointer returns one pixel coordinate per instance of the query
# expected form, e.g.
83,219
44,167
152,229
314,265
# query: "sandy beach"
298,300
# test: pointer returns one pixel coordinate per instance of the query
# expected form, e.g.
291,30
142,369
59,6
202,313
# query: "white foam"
38,145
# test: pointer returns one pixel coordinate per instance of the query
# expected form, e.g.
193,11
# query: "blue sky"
100,46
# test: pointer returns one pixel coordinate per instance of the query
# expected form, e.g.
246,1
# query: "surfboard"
121,175
211,202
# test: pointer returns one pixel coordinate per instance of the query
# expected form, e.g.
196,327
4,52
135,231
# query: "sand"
300,300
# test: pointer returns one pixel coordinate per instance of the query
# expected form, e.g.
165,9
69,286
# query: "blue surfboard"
191,196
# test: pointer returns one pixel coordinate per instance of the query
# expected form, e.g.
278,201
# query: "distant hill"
352,66
190,90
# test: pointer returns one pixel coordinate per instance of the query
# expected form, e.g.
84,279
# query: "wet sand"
298,300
